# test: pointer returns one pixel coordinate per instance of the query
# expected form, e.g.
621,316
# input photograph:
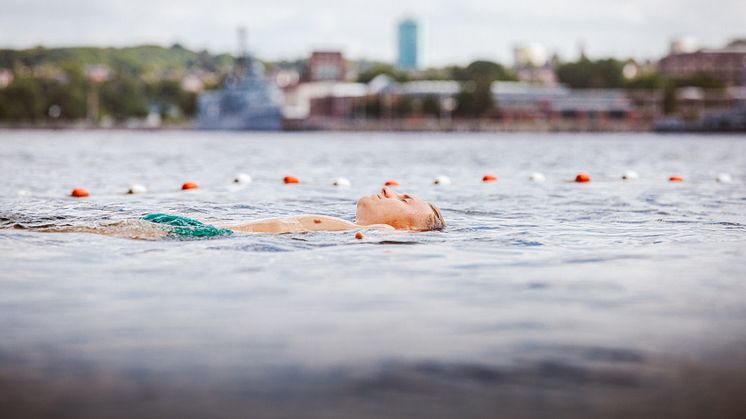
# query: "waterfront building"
529,101
331,98
326,66
409,45
725,64
432,88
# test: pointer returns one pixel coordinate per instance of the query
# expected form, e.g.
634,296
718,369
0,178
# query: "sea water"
551,298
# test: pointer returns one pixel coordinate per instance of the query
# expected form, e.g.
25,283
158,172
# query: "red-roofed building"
326,66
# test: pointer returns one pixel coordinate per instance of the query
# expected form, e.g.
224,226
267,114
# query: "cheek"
379,212
397,214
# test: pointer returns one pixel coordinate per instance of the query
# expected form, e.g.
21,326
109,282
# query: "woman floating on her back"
386,209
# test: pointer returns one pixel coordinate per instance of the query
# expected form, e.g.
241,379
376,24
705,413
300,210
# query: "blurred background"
388,65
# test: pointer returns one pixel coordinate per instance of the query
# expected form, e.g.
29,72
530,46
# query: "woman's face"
401,211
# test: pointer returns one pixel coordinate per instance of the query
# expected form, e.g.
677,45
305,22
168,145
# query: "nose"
387,192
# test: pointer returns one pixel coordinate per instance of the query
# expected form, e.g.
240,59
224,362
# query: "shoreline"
387,126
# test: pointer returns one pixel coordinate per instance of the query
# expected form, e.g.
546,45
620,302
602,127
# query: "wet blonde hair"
435,221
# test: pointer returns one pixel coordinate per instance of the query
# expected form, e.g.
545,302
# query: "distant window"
617,114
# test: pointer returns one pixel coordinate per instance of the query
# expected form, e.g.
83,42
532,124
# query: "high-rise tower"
409,45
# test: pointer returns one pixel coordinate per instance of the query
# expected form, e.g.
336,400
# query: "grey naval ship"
247,102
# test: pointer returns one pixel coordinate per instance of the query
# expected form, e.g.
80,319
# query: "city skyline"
454,34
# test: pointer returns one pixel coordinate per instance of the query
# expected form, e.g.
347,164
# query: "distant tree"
69,97
475,98
647,81
488,70
435,74
22,100
703,80
584,73
123,97
167,94
382,68
465,100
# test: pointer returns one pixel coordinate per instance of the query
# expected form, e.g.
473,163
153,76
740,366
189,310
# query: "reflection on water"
540,299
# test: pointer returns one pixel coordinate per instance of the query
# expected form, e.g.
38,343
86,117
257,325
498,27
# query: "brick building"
326,66
727,65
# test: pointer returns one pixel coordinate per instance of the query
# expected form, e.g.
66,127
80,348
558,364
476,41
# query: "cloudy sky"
456,31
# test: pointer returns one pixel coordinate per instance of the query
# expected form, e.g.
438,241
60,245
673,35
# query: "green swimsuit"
186,227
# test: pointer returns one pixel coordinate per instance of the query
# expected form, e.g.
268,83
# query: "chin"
362,209
362,203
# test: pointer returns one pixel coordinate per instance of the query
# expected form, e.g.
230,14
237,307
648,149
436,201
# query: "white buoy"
537,177
724,178
342,182
136,188
241,178
442,180
630,175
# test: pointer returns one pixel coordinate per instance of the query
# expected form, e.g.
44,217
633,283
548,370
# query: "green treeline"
61,83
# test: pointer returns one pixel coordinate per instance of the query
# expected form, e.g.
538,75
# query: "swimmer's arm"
297,224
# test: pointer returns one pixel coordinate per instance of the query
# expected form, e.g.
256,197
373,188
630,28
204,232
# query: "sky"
455,32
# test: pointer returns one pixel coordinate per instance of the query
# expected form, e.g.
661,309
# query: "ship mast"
243,53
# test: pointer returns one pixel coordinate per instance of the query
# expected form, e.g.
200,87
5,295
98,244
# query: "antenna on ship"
243,53
242,41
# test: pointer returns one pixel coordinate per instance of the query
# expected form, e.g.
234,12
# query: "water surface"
548,299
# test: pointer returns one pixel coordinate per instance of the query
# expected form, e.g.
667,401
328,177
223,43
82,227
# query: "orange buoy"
489,178
79,193
391,183
582,177
290,179
676,178
359,235
189,185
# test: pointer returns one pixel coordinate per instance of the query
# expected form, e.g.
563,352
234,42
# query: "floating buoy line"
342,182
